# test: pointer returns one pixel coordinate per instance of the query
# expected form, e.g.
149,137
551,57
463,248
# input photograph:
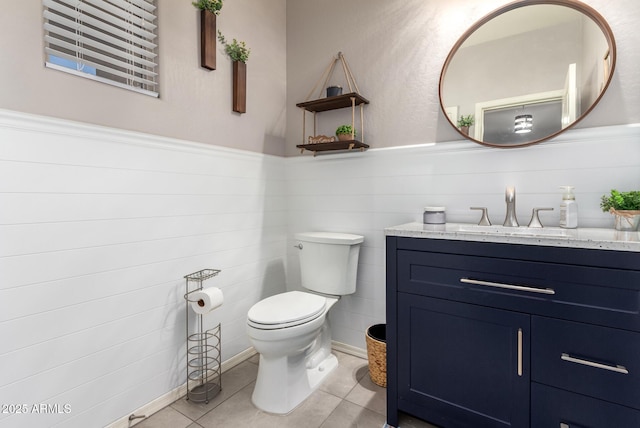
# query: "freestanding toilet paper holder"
204,368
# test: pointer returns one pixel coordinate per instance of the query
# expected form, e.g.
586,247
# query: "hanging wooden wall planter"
239,87
208,40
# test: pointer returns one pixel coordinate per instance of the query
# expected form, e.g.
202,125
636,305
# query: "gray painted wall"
194,104
396,51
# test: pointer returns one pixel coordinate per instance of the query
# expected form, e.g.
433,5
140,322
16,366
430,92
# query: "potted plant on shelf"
239,54
465,122
209,9
346,133
625,206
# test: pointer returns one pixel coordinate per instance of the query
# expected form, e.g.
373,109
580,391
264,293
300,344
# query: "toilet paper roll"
204,301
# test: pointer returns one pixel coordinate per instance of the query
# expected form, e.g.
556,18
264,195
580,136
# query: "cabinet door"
462,365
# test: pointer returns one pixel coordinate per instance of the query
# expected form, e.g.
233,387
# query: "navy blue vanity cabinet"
483,334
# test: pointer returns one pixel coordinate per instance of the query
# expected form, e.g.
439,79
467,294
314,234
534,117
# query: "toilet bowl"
294,358
291,330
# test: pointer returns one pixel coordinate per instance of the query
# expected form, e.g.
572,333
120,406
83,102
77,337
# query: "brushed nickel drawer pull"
617,369
519,352
509,286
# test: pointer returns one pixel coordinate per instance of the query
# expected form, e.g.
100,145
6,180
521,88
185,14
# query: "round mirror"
527,71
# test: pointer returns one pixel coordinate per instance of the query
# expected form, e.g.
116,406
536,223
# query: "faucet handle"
484,221
535,220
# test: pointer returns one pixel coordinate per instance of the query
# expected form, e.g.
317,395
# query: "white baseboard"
238,358
175,394
348,349
151,408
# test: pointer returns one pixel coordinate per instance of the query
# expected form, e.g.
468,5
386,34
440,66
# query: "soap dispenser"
568,209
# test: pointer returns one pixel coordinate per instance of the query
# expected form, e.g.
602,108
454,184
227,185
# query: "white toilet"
291,330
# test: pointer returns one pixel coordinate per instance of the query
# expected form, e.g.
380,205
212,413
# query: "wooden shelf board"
333,103
336,145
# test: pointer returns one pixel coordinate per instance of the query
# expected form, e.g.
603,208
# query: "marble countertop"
590,238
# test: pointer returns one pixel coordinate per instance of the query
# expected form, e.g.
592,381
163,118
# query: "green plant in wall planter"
625,206
345,132
239,54
213,6
209,9
237,51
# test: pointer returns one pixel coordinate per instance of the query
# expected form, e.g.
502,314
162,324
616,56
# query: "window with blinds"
112,41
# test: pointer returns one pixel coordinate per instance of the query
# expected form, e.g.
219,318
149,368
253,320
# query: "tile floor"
347,398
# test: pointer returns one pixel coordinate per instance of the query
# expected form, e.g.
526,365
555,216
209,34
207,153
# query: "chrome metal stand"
204,373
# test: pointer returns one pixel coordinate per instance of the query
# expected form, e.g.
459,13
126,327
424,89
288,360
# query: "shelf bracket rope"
328,73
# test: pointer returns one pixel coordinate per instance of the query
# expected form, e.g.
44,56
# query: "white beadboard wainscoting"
365,192
97,229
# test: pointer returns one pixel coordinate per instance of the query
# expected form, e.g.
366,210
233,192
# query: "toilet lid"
287,309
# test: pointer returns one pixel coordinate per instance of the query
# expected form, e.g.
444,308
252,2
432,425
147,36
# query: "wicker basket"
377,353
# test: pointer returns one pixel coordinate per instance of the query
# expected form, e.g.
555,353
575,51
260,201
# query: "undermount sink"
552,232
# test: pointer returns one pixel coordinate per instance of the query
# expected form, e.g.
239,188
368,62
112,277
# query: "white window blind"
111,41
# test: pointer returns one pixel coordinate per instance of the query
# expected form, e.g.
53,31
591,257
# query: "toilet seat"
286,310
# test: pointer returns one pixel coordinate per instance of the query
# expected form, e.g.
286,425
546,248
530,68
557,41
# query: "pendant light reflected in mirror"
523,123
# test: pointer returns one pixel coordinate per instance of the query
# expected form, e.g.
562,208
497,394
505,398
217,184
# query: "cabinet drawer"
583,293
596,361
555,408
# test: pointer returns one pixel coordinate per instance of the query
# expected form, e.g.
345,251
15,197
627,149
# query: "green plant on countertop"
346,130
620,201
212,6
465,121
237,51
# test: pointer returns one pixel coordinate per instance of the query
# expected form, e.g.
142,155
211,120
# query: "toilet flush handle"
299,246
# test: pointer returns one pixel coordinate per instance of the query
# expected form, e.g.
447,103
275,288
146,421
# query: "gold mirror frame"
573,4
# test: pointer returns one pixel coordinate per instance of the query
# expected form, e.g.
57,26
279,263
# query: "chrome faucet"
510,219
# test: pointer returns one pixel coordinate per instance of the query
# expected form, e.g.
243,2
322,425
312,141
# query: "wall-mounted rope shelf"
352,99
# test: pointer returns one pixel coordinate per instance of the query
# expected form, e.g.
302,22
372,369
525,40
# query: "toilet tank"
329,261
